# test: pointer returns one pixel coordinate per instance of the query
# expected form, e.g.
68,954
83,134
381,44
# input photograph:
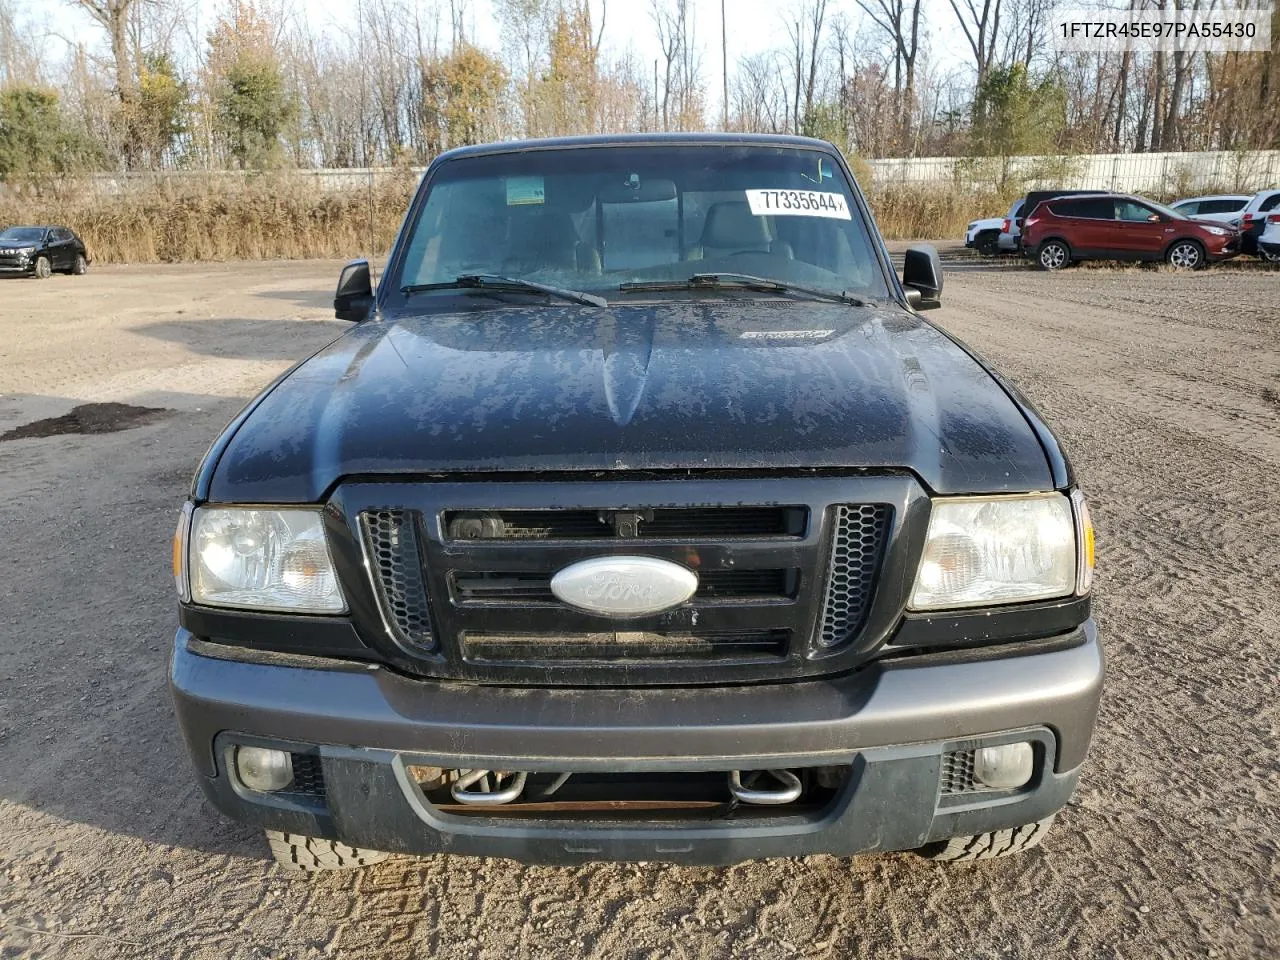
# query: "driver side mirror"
354,297
922,277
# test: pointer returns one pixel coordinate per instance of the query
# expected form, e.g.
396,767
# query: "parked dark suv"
1113,226
640,515
40,251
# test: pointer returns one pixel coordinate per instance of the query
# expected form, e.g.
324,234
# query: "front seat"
731,228
545,240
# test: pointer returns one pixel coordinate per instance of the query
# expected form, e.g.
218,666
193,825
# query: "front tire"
1185,255
42,269
988,846
1053,255
988,245
302,854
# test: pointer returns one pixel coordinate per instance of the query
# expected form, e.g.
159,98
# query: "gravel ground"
1166,389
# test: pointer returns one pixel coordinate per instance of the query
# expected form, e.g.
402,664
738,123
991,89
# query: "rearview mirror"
636,190
354,297
922,277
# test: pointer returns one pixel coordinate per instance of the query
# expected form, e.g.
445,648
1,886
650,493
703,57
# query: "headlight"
991,550
1216,231
261,559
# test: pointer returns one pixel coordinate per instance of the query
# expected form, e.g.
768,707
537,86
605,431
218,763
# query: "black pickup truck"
639,515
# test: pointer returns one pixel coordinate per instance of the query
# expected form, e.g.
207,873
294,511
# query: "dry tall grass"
261,218
282,217
932,212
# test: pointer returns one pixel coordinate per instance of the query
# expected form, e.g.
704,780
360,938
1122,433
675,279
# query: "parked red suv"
1113,226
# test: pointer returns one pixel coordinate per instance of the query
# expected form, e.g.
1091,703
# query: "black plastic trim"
314,636
961,628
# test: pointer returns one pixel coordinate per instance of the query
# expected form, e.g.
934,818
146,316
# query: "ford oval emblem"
622,587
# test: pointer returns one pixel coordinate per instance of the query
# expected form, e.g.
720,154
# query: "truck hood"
751,384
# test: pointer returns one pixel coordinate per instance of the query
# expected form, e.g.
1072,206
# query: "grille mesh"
391,540
308,777
858,537
957,772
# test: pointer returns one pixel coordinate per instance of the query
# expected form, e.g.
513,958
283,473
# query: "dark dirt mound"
89,418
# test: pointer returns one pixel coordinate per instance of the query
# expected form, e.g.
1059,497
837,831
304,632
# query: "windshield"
596,217
22,235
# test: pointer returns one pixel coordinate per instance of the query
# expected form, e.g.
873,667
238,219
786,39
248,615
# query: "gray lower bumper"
892,722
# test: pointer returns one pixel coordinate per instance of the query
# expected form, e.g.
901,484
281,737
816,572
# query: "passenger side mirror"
354,297
922,277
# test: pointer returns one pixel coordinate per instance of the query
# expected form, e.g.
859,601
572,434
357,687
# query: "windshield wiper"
490,281
715,281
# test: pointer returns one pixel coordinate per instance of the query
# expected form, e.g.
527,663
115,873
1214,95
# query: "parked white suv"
1253,219
994,235
1224,208
1269,239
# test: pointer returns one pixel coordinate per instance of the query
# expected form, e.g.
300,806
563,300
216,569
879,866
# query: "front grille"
957,772
633,647
857,543
490,587
660,523
391,545
785,589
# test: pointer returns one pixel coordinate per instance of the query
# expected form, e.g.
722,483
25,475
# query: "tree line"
259,87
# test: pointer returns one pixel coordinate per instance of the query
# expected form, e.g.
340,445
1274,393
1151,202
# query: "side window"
1195,207
1219,206
1270,203
61,236
1131,212
1088,209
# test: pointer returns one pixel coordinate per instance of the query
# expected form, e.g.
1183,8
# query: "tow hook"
785,787
484,788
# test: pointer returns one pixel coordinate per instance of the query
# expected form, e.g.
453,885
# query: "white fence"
1182,173
1137,172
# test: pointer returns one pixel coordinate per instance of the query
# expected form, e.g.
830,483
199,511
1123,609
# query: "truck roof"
639,139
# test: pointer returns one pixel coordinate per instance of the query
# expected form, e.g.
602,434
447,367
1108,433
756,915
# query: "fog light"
264,770
1004,767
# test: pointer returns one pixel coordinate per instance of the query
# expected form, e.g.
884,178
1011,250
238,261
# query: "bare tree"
114,16
980,21
680,101
900,22
805,33
20,48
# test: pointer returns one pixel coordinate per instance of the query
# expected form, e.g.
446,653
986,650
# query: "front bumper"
892,722
1227,251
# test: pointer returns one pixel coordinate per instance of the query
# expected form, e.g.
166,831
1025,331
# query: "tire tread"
988,846
299,853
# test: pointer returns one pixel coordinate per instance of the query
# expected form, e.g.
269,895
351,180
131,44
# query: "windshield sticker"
525,190
798,203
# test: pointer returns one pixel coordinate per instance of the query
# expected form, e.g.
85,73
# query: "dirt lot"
1165,387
